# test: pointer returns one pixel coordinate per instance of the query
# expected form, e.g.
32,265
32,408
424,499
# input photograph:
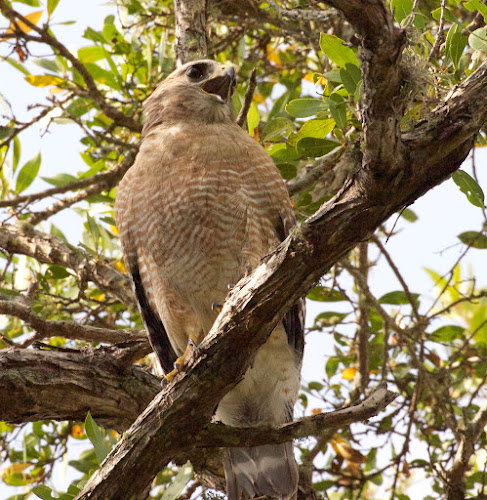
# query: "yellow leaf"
349,373
99,296
316,411
33,17
16,468
56,90
273,56
343,449
119,265
43,80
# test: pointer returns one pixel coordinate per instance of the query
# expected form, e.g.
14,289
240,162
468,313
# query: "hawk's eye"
194,72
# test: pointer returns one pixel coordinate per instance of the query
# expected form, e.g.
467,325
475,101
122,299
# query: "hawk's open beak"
221,86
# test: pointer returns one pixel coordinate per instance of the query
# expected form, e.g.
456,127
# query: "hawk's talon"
230,285
192,343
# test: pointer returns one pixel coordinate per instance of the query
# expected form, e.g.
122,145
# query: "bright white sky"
430,242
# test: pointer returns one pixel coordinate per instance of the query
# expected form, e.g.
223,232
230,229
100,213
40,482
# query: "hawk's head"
198,91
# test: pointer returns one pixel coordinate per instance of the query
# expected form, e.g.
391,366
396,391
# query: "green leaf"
478,39
398,297
329,319
184,475
331,366
6,132
59,179
476,5
324,294
436,14
32,3
282,153
91,54
318,129
409,215
307,106
315,386
401,9
51,5
277,128
314,148
27,174
43,492
473,239
288,170
253,118
16,154
49,64
455,44
57,273
338,109
351,77
95,436
102,76
447,333
469,187
334,48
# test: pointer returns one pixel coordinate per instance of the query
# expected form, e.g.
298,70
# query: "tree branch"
52,385
50,249
191,40
106,179
69,329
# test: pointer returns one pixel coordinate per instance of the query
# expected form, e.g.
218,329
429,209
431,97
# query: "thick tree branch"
50,249
52,385
257,303
191,40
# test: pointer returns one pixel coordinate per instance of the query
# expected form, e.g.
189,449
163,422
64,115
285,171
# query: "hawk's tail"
269,470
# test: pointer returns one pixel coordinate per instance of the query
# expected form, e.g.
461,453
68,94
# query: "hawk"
200,207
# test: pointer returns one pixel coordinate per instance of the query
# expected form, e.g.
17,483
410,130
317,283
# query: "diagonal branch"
50,249
256,304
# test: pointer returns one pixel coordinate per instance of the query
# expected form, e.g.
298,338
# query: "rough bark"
191,39
50,249
64,385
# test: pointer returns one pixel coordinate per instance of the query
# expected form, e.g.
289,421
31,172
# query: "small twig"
249,94
439,35
299,14
325,165
401,280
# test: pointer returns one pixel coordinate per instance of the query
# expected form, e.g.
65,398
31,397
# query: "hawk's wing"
157,333
294,319
128,223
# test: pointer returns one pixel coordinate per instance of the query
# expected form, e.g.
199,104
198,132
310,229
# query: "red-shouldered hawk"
200,207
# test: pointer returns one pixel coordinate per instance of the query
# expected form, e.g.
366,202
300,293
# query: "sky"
431,242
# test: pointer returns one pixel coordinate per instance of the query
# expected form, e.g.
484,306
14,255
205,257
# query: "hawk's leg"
181,361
